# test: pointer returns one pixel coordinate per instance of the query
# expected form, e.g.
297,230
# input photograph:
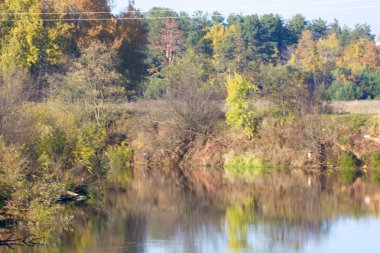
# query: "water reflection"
154,215
238,218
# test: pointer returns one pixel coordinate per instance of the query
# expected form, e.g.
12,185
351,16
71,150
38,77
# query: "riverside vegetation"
86,101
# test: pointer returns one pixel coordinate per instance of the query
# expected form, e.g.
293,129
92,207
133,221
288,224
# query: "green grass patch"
347,168
355,121
246,166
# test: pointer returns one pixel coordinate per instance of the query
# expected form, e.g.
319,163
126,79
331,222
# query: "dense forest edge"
88,96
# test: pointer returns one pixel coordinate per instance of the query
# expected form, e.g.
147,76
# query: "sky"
347,12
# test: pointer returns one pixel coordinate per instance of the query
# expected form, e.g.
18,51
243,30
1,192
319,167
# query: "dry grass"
356,106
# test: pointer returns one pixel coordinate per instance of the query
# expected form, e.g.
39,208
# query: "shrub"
88,146
354,121
120,160
155,89
374,166
11,164
347,165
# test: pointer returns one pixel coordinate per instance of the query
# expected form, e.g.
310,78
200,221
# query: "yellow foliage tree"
28,41
305,55
216,35
328,52
240,113
362,54
87,31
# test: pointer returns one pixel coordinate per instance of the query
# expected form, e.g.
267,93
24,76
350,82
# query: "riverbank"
60,153
348,144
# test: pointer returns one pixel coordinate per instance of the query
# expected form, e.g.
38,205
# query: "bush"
11,165
88,147
374,167
120,160
348,169
155,89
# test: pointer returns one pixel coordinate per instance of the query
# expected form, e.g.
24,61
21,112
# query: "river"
153,215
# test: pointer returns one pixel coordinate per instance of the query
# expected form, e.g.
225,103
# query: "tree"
92,79
249,30
348,36
199,25
216,35
217,17
334,27
156,23
306,58
273,38
264,38
190,96
305,55
30,43
296,25
170,41
319,28
328,52
229,52
285,87
87,31
357,56
240,112
131,42
362,31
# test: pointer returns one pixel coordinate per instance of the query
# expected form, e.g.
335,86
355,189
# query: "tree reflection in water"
154,215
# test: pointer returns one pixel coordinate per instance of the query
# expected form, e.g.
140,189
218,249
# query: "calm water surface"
159,218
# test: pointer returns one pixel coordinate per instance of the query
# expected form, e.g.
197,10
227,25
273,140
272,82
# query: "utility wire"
170,10
165,17
84,12
97,19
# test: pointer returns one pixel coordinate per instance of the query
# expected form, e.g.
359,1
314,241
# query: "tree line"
40,38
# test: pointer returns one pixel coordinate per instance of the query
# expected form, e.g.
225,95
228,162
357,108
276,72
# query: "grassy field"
356,106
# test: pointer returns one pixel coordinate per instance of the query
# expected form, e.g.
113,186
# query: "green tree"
362,31
296,25
217,17
199,25
229,53
155,57
285,87
132,42
319,28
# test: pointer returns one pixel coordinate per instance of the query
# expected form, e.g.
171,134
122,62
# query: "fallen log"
28,240
69,196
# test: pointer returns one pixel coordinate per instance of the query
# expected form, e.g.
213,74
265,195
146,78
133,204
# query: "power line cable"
170,10
174,17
